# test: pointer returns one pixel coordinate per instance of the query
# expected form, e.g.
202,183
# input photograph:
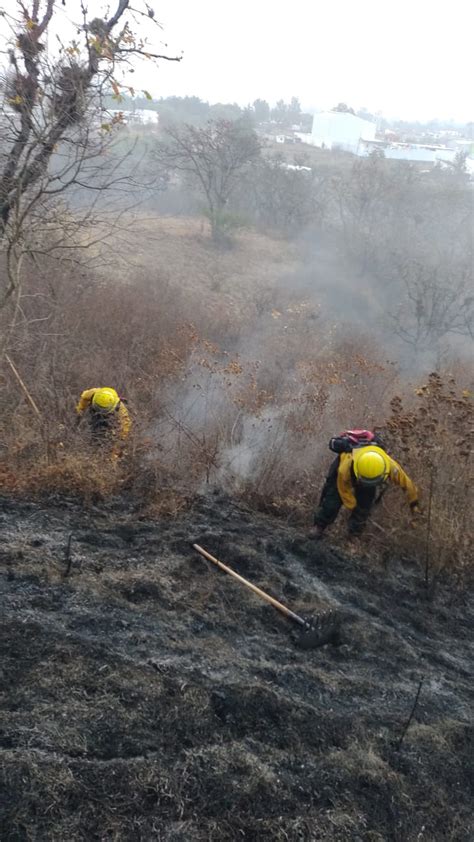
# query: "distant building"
340,130
404,151
416,153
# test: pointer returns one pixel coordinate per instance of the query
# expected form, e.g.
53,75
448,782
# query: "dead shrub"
432,435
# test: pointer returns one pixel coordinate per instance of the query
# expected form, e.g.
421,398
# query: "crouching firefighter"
356,480
107,416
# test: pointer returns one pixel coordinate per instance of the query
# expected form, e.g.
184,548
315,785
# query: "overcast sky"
410,58
405,58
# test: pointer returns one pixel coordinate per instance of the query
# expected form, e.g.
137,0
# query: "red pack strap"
356,437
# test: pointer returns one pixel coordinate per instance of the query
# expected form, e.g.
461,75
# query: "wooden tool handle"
286,611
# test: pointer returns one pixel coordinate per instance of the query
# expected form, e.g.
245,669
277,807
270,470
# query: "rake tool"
318,632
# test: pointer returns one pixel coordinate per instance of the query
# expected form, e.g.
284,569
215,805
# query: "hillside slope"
148,696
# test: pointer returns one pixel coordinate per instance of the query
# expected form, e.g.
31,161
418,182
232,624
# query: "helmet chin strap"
371,483
100,410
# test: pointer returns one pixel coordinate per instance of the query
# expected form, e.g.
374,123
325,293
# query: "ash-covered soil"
148,696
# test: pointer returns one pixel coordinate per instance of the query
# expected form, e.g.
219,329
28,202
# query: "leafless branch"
146,54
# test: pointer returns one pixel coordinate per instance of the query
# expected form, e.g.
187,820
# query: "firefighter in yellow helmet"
355,480
108,417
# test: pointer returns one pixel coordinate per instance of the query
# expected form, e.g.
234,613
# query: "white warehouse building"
340,130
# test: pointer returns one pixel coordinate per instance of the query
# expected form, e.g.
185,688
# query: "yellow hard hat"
370,468
105,400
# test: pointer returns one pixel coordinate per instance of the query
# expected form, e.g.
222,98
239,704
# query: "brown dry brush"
431,434
190,399
76,332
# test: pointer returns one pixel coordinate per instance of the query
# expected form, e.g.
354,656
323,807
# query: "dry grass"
87,473
219,291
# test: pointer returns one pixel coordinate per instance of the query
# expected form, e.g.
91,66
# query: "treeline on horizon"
193,109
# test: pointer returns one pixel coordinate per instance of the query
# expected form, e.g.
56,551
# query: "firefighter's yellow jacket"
121,413
394,473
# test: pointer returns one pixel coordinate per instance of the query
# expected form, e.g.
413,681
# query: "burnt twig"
412,713
68,557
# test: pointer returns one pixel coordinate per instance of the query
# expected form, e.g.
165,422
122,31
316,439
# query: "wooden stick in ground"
23,386
286,611
415,703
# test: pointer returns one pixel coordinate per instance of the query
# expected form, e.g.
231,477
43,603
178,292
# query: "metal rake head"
320,630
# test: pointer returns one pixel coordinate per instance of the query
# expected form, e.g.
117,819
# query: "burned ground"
148,696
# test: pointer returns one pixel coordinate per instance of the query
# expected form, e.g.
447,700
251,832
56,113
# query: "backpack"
350,439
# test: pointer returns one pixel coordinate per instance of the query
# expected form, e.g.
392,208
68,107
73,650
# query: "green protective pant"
330,503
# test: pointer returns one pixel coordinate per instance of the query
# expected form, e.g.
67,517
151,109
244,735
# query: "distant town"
338,129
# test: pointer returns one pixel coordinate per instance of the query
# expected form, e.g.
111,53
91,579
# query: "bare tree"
213,157
53,127
286,198
364,199
436,304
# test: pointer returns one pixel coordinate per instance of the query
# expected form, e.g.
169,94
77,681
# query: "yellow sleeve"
399,477
85,400
124,421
